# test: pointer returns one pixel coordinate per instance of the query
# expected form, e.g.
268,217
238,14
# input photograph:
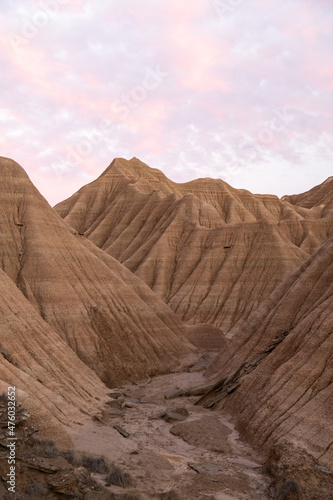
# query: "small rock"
115,412
174,394
127,405
121,431
115,394
182,411
171,416
98,419
194,467
40,464
68,480
157,416
115,404
325,469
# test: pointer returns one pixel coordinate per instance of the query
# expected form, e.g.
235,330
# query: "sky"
234,89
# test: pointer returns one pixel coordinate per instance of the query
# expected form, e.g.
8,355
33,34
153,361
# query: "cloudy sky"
236,89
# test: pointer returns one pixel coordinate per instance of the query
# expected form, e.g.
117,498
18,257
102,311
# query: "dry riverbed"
173,445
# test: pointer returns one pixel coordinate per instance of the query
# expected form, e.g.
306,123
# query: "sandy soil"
201,458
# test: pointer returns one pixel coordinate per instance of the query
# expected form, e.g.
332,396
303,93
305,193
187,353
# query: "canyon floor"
200,457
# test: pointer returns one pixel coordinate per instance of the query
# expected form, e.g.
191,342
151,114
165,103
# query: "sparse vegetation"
52,452
118,477
288,490
95,464
44,447
35,490
48,442
70,456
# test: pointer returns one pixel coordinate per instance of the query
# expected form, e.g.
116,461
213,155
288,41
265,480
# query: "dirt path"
201,458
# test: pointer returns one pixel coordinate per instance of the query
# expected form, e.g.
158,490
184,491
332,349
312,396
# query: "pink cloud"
228,76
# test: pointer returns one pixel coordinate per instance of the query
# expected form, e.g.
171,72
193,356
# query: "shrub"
288,490
52,452
95,464
70,456
118,477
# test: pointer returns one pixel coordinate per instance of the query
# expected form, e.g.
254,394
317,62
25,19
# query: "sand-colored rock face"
110,319
277,374
211,252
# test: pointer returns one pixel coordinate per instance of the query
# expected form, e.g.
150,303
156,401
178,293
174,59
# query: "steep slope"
211,252
319,197
121,331
50,379
276,376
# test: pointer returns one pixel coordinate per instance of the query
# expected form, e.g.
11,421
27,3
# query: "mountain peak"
149,223
320,197
10,168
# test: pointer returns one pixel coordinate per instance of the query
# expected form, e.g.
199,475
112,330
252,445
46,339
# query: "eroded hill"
211,252
77,314
67,314
319,197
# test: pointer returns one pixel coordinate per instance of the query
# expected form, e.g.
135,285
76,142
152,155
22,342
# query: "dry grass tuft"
119,478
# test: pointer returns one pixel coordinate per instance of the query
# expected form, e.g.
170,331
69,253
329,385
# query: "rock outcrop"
211,252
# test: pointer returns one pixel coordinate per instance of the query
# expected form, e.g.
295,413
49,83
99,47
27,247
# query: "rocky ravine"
277,372
173,449
276,376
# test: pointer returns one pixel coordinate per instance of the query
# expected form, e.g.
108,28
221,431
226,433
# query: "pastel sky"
236,89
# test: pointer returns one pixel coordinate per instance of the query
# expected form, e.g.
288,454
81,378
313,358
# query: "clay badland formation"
68,310
134,276
211,252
